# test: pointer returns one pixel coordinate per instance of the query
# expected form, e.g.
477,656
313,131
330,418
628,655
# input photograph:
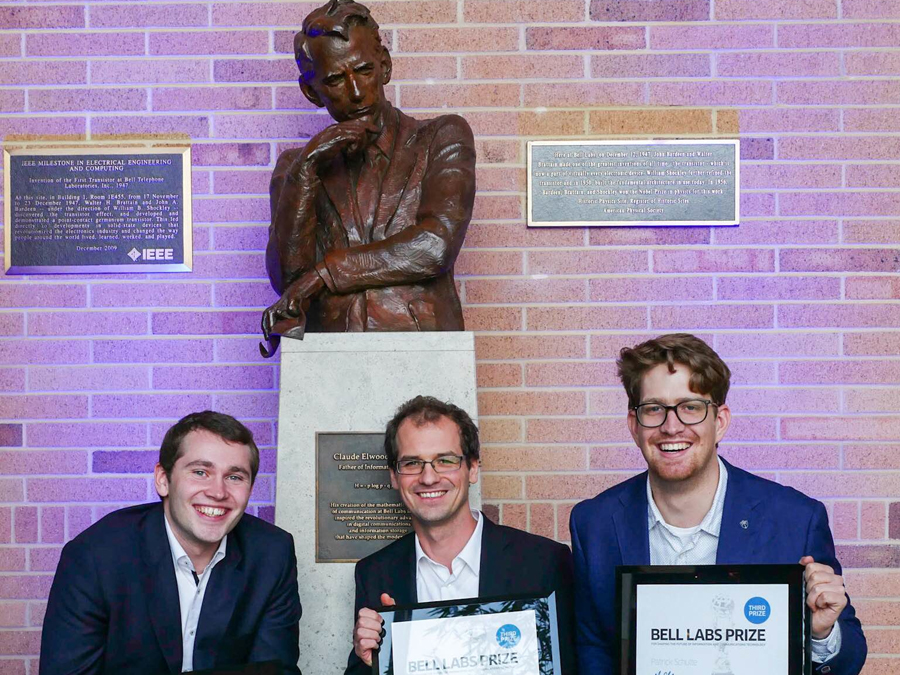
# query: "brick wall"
800,299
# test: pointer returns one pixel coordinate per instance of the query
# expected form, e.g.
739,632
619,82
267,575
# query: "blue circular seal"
757,610
508,636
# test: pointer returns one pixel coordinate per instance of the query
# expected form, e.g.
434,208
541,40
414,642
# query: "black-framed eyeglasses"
652,415
442,464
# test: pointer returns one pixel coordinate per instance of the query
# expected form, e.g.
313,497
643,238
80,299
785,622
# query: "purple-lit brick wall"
801,299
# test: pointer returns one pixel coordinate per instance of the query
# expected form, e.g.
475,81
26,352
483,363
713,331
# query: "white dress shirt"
670,545
190,593
436,582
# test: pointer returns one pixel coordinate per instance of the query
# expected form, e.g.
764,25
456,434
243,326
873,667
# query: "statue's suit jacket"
513,562
114,607
393,271
782,526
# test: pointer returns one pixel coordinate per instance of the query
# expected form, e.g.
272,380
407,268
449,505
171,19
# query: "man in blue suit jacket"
691,507
129,590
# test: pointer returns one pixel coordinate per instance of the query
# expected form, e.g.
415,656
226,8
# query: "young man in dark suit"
453,552
693,508
190,583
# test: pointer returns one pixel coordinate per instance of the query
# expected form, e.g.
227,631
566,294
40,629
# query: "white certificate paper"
486,643
700,629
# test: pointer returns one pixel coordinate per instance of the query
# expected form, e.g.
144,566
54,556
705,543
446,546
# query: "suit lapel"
742,536
396,177
403,586
336,182
161,589
226,584
631,523
494,576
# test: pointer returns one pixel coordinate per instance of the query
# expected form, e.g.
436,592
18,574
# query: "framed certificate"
713,620
515,636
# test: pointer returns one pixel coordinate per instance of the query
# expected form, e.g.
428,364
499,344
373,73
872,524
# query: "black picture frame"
544,607
630,578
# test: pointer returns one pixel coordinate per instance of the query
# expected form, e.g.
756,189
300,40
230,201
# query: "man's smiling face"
207,491
433,498
677,452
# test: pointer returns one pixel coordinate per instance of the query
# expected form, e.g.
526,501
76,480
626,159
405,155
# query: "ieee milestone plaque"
357,510
97,209
594,183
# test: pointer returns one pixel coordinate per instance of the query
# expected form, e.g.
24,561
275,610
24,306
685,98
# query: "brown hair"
709,374
224,426
423,410
333,19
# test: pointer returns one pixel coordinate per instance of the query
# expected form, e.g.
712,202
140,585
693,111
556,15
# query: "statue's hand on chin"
350,137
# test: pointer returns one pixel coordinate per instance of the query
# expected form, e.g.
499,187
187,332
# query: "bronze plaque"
357,511
97,209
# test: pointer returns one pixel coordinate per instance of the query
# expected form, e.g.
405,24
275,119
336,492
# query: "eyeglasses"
444,464
652,415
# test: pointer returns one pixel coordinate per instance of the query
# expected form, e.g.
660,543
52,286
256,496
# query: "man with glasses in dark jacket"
453,552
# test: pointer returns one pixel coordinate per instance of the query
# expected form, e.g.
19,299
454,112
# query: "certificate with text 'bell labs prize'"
713,620
713,630
507,636
489,643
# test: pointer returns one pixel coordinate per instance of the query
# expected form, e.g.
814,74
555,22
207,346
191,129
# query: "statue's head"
343,65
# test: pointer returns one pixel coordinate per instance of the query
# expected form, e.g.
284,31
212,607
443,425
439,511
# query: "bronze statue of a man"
369,216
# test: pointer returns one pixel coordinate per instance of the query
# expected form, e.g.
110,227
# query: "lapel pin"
745,524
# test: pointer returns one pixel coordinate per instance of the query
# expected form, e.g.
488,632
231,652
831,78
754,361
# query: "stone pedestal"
346,382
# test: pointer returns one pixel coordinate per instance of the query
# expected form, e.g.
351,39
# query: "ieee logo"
508,636
152,254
